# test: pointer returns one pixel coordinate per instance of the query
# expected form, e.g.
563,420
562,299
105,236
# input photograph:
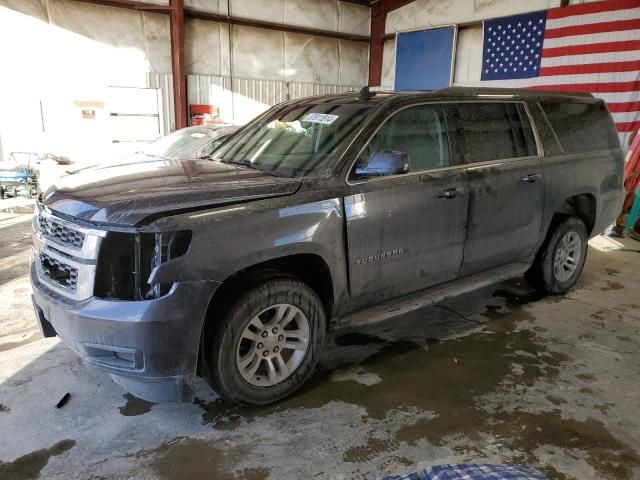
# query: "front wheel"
561,258
267,343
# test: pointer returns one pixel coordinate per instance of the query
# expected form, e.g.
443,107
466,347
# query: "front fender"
232,239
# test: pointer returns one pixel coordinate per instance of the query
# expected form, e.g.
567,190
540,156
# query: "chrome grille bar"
66,255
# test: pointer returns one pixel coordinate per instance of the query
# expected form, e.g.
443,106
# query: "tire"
230,354
555,270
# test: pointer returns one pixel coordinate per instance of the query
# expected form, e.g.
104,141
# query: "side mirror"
384,163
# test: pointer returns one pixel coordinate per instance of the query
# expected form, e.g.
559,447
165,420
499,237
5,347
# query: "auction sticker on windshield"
323,118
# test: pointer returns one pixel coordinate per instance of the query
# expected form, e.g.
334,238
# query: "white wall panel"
389,64
468,55
311,59
428,13
321,14
265,10
33,8
353,18
115,27
164,82
354,63
257,53
210,6
301,89
206,47
157,42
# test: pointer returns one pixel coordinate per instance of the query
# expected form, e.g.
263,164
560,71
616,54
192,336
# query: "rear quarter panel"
598,173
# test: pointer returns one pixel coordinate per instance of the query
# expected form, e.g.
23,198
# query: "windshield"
180,144
294,141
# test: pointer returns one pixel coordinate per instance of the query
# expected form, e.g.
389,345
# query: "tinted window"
418,131
495,131
581,126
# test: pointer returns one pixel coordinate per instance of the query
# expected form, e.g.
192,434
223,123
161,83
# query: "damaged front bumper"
148,347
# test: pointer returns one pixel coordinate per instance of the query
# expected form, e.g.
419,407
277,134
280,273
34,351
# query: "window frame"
462,135
556,135
455,136
448,131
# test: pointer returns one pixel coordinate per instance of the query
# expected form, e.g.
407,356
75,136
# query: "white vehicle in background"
186,143
22,173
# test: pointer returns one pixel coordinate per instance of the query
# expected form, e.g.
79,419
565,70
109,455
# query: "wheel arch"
583,206
309,268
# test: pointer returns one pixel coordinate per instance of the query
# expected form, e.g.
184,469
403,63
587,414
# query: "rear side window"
496,131
581,126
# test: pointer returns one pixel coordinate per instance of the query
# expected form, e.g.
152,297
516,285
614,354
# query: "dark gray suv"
322,213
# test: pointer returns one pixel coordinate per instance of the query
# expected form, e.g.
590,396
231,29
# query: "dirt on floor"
502,375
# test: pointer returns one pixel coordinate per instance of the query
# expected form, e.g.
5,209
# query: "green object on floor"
634,214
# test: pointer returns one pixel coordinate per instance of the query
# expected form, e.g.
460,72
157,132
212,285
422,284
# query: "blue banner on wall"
424,59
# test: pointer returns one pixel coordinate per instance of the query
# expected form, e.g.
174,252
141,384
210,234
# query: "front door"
406,231
506,186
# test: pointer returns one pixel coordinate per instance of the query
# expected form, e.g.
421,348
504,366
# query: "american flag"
592,47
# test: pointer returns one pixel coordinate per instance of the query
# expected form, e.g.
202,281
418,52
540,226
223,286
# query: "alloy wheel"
273,345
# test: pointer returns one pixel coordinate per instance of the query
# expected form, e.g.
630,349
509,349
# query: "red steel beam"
379,11
129,4
376,45
176,23
366,3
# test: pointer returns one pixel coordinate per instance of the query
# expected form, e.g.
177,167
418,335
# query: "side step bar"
415,301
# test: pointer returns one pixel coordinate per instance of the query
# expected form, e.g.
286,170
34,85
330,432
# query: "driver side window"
419,132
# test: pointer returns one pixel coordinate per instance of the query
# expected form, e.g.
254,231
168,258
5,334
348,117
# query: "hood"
100,165
129,194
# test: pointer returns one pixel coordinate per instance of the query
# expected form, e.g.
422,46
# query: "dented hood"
133,194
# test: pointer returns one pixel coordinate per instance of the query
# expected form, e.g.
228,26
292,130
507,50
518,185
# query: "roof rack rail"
365,94
494,91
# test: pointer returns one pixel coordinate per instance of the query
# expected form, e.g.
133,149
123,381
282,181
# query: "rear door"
406,232
506,185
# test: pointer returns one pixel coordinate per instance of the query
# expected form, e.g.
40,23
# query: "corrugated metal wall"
250,96
164,82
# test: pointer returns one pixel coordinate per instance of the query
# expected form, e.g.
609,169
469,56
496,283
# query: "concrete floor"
501,375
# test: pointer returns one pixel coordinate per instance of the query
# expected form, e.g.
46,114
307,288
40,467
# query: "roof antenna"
364,94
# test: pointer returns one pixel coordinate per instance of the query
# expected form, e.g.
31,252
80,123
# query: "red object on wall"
202,114
632,170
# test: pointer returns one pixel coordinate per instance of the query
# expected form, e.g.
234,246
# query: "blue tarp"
473,472
10,176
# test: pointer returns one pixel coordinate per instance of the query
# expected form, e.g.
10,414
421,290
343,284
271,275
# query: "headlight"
127,260
157,249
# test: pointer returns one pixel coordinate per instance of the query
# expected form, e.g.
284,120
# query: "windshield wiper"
251,165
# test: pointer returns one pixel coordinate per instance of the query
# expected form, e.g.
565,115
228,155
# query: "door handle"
449,193
531,178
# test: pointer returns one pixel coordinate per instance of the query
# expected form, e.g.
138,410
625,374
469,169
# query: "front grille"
58,272
60,233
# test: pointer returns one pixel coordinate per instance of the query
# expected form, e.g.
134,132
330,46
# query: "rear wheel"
561,258
267,343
